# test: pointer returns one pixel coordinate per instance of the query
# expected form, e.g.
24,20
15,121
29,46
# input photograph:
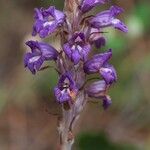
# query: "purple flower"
99,63
66,90
107,19
77,49
47,20
87,5
40,52
79,34
93,65
108,73
98,90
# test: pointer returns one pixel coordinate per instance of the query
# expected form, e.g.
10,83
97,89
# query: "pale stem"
70,117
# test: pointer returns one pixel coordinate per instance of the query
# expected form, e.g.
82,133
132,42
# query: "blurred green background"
28,111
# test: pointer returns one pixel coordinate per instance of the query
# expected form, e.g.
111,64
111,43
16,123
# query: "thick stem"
70,117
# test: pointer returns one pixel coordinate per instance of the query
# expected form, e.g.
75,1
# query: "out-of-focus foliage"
142,12
97,141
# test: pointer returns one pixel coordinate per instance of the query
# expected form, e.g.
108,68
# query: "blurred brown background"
28,112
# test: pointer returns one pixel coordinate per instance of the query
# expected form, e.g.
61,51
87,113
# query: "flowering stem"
78,34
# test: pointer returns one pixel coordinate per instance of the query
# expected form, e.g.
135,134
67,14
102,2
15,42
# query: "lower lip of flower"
31,60
49,23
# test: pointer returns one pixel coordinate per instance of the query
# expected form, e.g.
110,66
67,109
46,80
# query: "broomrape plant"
79,33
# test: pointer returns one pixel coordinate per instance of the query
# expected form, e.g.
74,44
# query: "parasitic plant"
79,34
